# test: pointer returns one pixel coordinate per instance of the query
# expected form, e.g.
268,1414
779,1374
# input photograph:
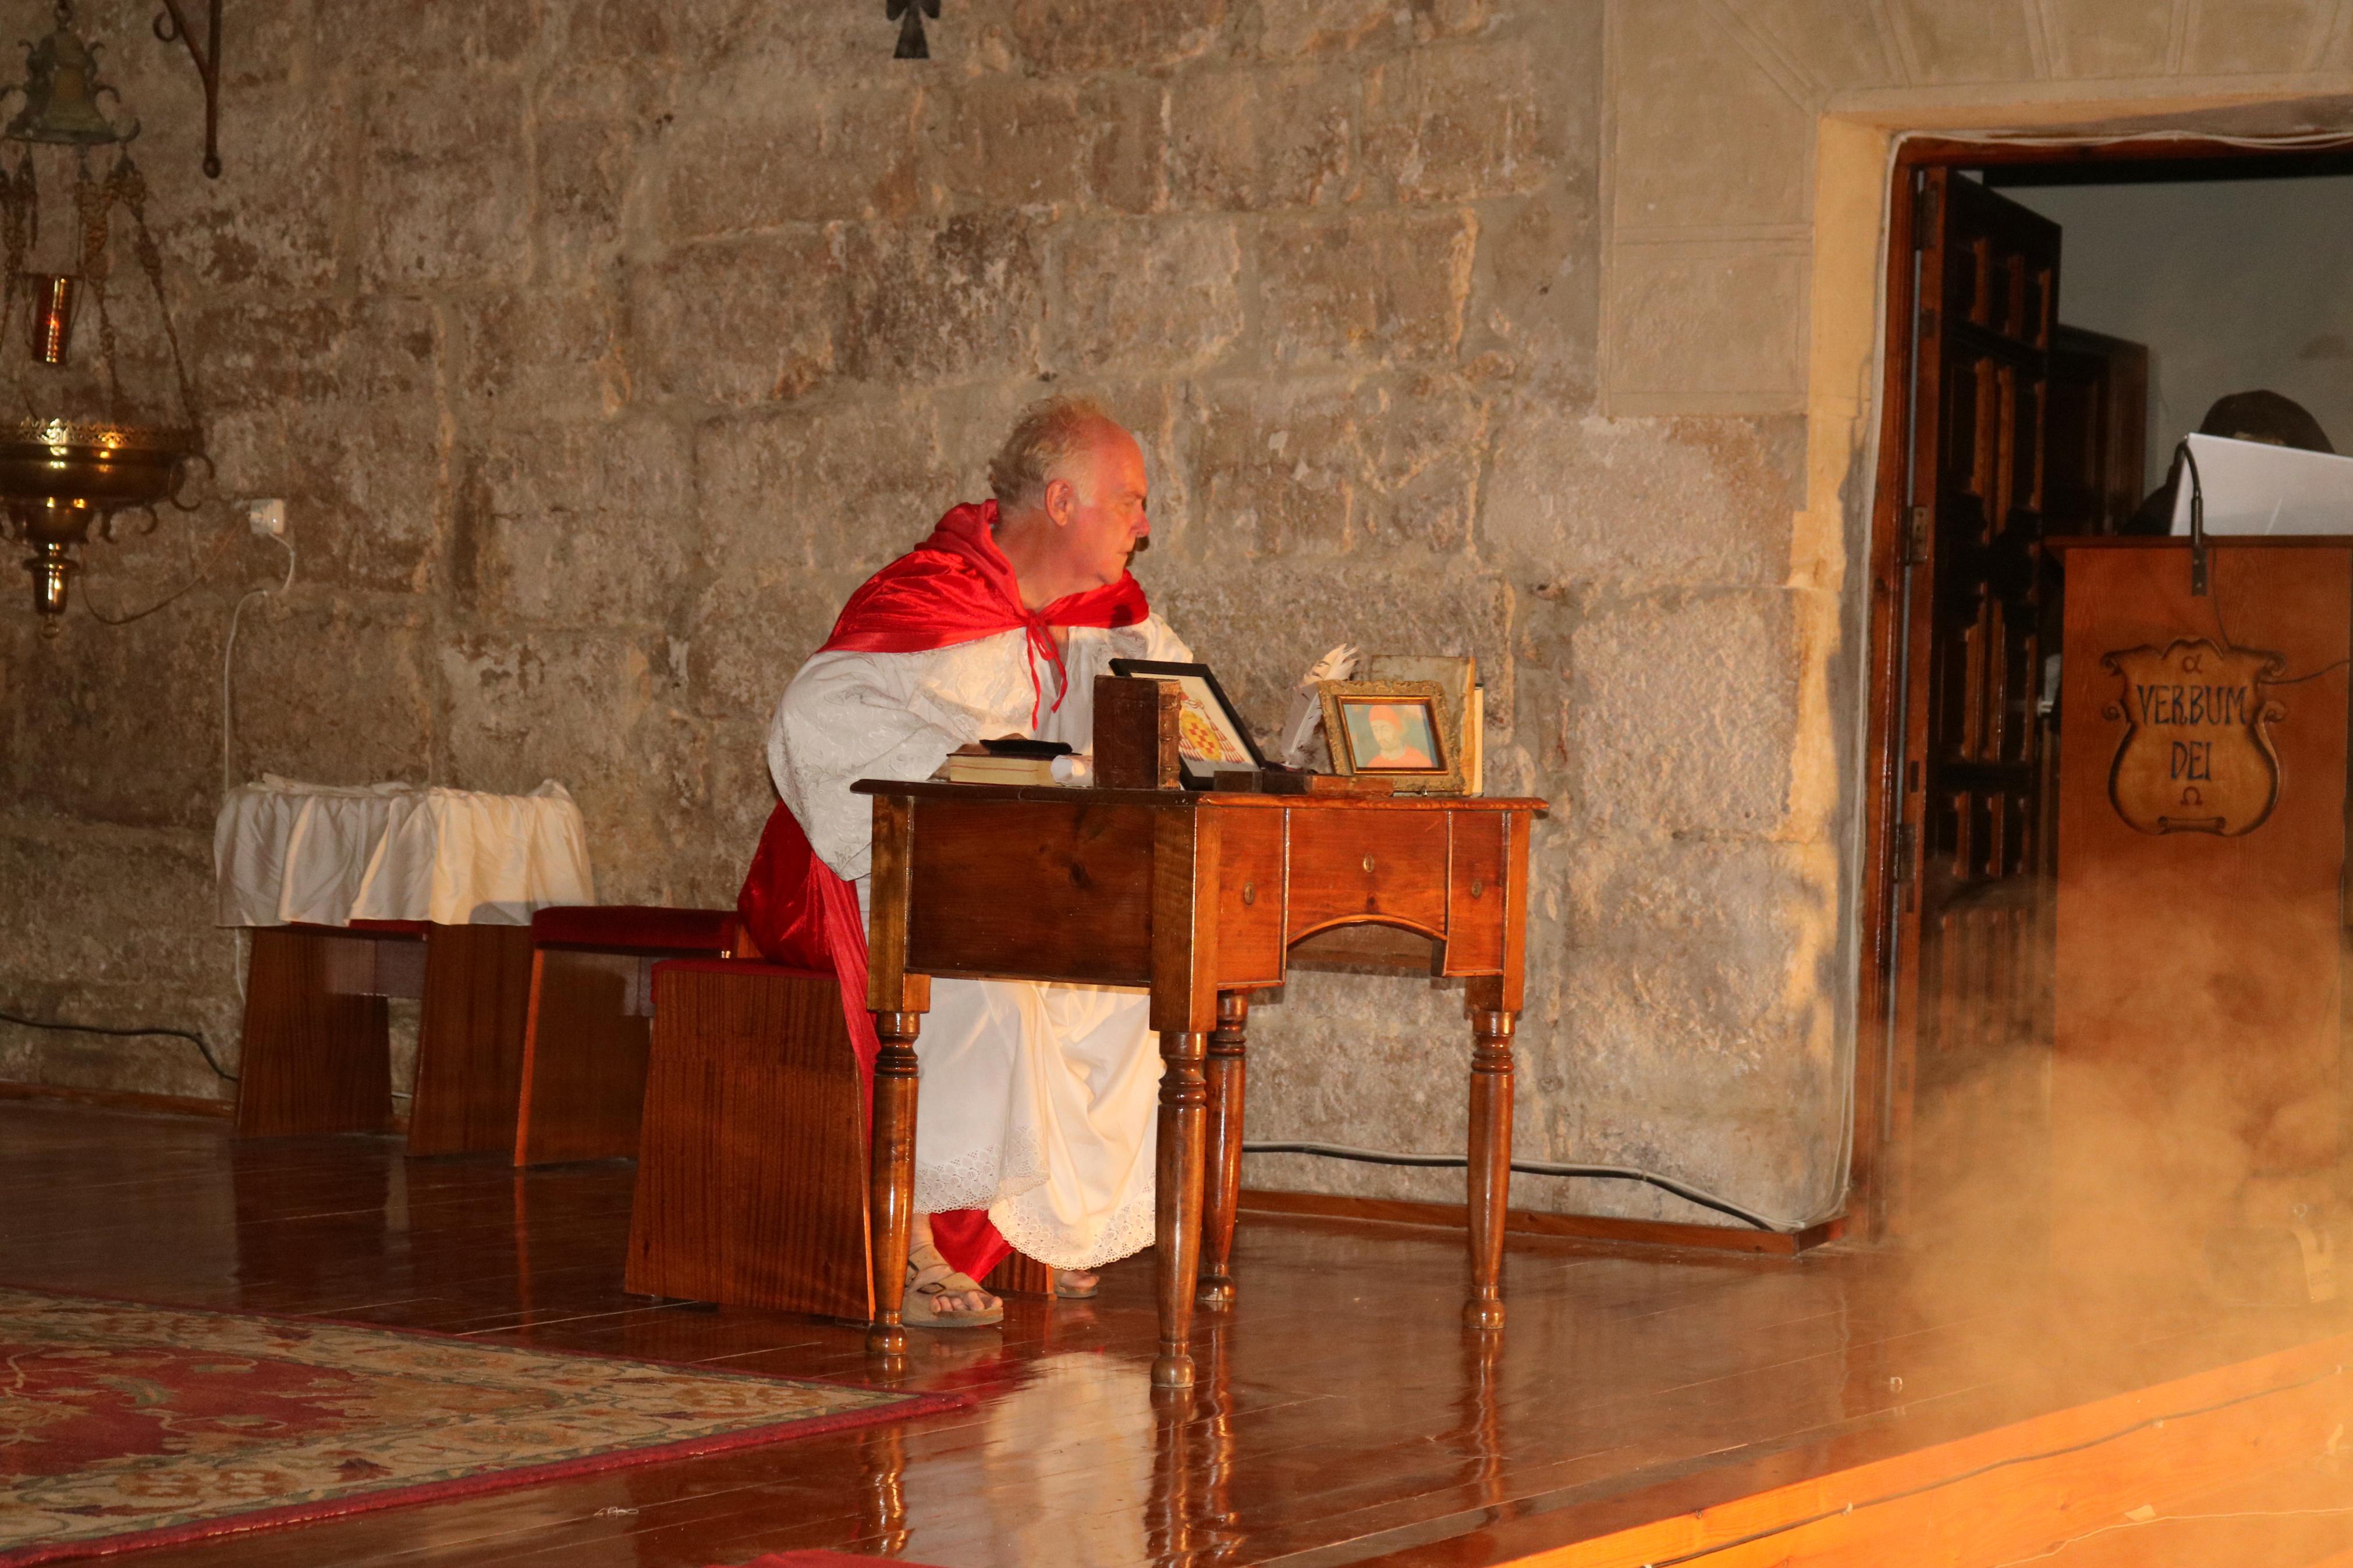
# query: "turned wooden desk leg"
1491,1158
1227,1073
891,1191
1184,1113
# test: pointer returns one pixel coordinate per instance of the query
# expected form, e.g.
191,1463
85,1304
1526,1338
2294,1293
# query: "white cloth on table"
286,852
1037,1101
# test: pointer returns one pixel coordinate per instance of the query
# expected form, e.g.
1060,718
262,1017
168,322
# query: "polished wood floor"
1344,1414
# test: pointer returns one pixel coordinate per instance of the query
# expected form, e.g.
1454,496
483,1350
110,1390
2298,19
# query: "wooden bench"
586,1038
752,1164
317,1054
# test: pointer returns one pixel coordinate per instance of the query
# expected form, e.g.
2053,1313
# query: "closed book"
972,765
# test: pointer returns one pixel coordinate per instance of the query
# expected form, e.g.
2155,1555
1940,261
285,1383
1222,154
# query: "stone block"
1706,328
537,354
1371,288
1460,124
1288,29
1707,136
431,208
114,905
270,221
1624,505
1692,942
707,870
942,301
805,42
756,159
2095,38
844,486
1962,40
263,355
580,184
364,491
1127,157
1535,293
1307,469
416,40
751,631
1279,468
1057,35
1258,139
1684,716
596,712
1262,625
574,524
739,322
121,935
119,724
1162,292
612,59
1010,141
335,691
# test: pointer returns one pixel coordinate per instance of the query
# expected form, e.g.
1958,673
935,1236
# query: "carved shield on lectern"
2195,757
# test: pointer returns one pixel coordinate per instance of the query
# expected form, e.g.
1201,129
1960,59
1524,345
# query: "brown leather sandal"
929,1278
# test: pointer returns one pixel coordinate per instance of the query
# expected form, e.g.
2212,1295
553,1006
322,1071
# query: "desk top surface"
1191,800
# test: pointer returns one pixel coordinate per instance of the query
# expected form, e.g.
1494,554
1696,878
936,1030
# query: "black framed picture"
1210,735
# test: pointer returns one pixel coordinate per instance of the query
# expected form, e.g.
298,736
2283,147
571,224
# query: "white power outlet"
266,518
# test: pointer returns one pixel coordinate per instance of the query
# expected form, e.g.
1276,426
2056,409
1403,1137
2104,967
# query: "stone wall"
600,347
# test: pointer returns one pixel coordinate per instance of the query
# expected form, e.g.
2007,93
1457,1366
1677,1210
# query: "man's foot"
1075,1284
939,1298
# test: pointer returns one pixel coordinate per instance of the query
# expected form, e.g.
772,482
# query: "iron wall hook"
171,27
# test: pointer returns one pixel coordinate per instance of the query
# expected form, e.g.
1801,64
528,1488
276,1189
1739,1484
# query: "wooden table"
1198,896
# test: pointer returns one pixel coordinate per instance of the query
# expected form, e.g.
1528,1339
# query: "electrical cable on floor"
188,1035
1682,1190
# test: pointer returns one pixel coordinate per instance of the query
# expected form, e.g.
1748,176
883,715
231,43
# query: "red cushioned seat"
634,928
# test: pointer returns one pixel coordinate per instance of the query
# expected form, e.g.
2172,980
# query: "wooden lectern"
2201,909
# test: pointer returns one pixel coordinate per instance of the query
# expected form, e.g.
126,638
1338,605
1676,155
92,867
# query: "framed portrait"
1402,731
1211,737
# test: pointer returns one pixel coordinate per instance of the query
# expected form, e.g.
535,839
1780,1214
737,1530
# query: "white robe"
1037,1102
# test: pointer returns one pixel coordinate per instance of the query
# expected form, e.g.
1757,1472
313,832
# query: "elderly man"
1035,1124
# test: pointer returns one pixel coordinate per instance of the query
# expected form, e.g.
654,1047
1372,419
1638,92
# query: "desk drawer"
1250,898
1349,865
1478,898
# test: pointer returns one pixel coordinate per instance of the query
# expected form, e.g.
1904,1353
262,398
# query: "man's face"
1387,733
1097,506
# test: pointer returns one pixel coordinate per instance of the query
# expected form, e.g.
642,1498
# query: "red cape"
954,587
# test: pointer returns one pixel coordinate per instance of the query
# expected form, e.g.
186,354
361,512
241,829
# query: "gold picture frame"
1402,731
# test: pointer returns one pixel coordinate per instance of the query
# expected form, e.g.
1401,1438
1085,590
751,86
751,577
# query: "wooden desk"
1198,896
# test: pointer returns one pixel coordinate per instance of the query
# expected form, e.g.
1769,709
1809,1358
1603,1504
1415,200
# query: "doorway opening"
2057,318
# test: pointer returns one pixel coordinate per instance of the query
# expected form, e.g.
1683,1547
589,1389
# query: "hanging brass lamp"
81,453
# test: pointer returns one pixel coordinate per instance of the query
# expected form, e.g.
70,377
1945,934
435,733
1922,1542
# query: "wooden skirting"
121,1100
2013,1494
1536,1221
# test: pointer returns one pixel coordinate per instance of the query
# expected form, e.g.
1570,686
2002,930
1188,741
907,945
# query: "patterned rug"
125,1425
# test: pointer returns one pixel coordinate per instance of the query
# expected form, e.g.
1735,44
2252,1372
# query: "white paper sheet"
2251,487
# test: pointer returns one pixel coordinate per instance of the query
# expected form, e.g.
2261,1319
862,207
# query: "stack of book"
1000,763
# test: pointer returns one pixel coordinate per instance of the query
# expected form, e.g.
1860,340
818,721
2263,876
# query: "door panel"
1970,962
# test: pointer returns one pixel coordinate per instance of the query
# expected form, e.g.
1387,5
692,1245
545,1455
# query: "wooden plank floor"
1343,1415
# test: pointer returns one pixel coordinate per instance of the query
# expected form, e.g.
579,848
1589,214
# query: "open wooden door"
1969,940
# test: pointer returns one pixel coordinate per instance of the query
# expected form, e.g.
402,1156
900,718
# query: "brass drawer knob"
1477,887
1368,862
1250,892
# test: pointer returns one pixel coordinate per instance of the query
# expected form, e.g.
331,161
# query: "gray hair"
1049,434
